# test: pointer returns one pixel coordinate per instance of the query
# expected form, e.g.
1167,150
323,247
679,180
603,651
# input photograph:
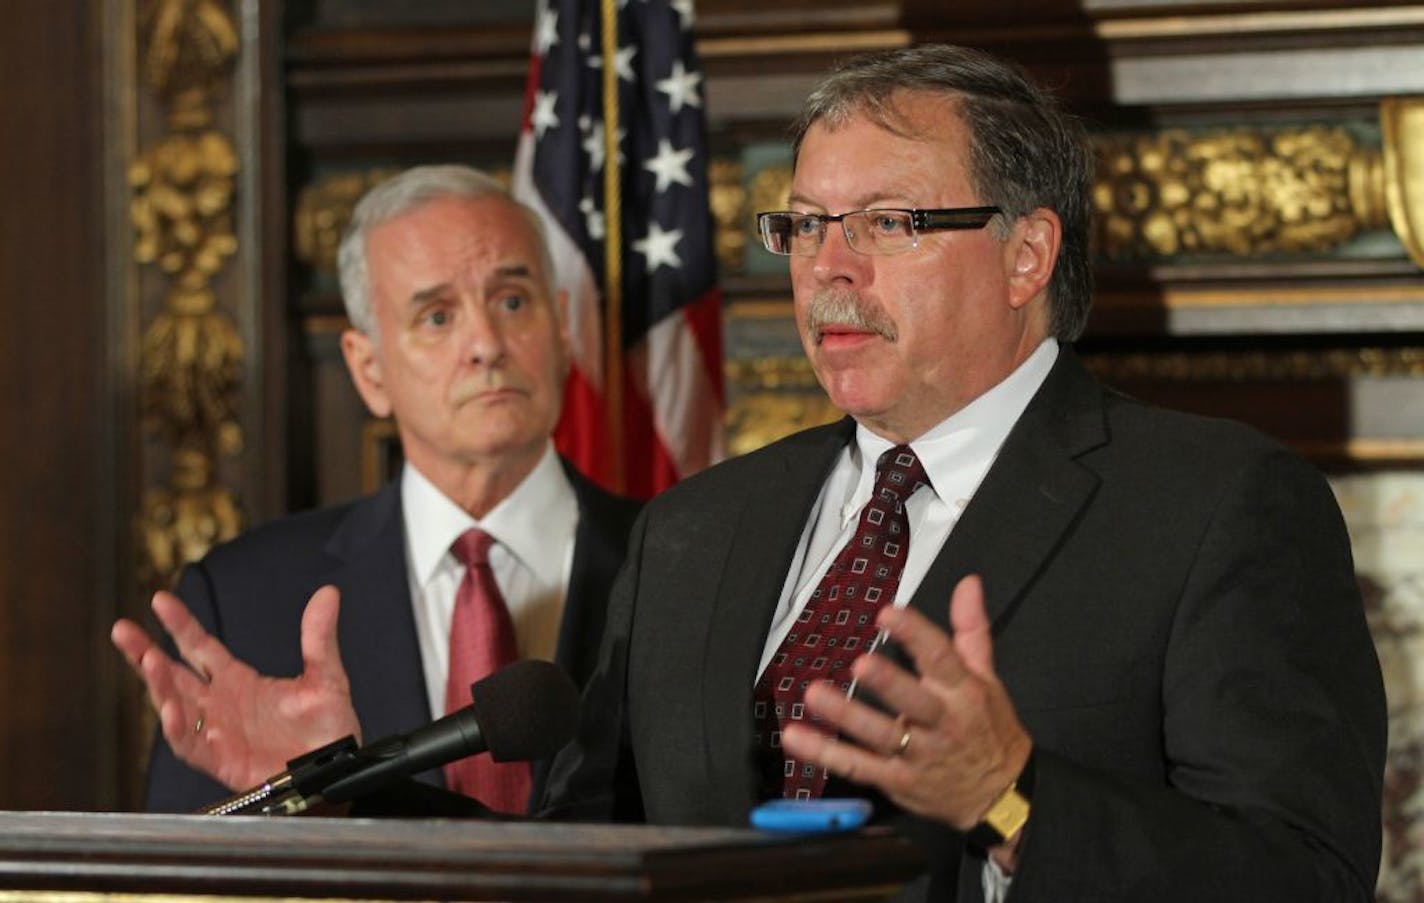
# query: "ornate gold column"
191,355
1254,191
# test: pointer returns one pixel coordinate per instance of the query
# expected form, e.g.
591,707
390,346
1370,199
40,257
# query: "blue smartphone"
811,816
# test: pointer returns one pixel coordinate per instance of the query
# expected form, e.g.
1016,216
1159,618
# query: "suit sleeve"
1273,730
172,785
594,778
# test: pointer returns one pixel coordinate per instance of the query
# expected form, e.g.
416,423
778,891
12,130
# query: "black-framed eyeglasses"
879,230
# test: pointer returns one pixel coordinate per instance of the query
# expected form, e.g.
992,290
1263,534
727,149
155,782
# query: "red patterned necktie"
838,622
481,642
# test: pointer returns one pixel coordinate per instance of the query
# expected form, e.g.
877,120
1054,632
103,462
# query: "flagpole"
613,250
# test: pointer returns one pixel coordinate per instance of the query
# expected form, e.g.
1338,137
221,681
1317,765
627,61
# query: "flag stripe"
670,314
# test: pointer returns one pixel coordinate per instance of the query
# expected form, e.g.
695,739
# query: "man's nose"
837,261
483,336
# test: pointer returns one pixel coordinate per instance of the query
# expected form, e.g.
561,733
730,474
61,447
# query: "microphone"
526,710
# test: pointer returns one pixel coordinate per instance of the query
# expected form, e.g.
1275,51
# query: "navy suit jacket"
1175,617
250,594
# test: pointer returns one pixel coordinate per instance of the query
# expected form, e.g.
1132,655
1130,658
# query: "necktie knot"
898,474
472,547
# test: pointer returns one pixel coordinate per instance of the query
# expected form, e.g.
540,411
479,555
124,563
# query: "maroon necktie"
481,642
838,622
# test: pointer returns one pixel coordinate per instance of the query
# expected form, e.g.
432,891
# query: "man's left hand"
957,742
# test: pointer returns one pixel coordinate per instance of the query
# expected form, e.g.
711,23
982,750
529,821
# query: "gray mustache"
841,307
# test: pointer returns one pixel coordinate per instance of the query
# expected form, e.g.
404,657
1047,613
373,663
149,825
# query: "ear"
1032,252
365,369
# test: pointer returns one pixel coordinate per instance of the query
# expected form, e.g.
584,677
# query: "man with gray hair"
487,548
1079,647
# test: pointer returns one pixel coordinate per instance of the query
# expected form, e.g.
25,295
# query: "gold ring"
904,743
198,725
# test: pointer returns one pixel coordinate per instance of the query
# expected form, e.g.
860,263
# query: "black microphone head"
526,710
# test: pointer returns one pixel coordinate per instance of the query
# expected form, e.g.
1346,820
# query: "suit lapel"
600,544
753,573
1028,500
376,627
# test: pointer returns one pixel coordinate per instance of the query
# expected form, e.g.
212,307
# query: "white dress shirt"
956,455
533,529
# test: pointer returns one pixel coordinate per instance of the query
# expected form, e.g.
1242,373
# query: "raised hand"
957,741
222,717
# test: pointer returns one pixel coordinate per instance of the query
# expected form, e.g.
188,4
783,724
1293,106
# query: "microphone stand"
289,792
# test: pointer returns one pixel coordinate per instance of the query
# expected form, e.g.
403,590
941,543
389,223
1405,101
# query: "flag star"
659,248
593,142
592,219
544,117
670,165
684,11
681,87
547,35
622,63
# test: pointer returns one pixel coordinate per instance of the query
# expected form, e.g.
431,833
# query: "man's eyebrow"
428,294
513,271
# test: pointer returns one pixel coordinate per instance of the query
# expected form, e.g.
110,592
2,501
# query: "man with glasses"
1118,652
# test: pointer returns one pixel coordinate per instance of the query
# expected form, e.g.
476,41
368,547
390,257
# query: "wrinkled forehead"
459,235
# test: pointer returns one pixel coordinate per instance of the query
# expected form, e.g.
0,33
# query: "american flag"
671,393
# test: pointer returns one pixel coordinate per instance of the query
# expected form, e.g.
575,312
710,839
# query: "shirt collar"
433,521
966,442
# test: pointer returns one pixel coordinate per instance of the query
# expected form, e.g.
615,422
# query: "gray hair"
1025,150
400,195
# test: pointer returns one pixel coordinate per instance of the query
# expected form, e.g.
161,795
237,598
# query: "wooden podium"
76,857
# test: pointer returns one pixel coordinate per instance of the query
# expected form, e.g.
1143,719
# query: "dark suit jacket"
1175,618
250,594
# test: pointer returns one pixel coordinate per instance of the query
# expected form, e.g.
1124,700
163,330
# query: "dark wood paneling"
56,530
392,859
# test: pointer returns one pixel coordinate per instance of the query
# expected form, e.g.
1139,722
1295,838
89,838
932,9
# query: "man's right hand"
222,717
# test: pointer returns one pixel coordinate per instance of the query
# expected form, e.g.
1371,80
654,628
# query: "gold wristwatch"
1007,814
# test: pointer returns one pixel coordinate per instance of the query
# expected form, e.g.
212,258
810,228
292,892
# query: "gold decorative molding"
1402,126
760,418
780,45
753,374
770,189
187,48
1241,192
1257,366
728,201
1175,298
182,521
791,375
191,356
322,212
772,397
